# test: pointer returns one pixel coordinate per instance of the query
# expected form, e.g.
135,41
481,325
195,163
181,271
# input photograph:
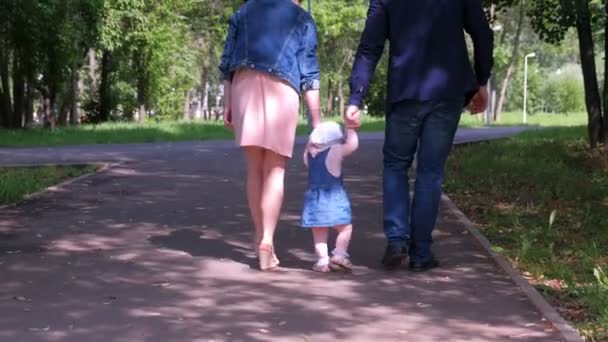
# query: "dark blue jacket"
428,52
277,37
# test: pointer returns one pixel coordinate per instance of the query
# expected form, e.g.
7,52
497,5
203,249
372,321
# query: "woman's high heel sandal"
268,261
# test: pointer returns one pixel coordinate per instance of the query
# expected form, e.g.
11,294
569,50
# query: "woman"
269,60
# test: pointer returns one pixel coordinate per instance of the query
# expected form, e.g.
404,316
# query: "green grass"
540,119
121,133
542,200
16,182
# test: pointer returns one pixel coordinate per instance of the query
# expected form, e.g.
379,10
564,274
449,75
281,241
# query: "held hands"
352,117
479,102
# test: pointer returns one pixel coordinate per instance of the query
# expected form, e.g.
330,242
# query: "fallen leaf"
162,284
282,323
263,331
47,328
110,300
21,299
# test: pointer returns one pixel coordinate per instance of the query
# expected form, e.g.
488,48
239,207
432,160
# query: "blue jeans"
424,129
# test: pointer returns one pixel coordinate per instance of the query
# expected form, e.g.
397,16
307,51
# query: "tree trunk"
141,113
29,102
49,117
62,117
592,92
330,100
74,95
105,88
92,59
604,137
217,108
18,94
514,54
187,115
341,96
205,99
6,111
200,107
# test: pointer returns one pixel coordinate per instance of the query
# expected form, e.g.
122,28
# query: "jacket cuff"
355,100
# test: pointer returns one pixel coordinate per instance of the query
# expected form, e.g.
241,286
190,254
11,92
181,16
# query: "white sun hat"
326,134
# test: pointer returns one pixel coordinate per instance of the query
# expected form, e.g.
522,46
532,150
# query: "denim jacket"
277,37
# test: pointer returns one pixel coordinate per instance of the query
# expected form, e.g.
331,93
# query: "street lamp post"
525,113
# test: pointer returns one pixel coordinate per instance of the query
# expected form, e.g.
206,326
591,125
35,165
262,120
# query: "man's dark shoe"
394,256
423,266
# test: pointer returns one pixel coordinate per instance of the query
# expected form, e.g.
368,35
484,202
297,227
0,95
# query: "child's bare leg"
343,240
340,259
319,236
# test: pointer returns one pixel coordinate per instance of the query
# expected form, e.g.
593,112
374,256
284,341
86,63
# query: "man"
430,81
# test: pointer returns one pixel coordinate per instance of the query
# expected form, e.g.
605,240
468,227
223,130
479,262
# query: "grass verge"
542,200
17,182
122,133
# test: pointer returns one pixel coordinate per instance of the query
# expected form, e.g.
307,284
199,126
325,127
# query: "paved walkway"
156,249
133,152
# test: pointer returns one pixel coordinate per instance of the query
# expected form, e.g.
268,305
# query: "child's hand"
351,143
305,156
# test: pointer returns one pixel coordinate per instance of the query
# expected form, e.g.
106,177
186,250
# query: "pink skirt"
264,112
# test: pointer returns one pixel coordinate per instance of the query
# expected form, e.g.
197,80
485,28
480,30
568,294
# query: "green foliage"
564,94
535,90
376,98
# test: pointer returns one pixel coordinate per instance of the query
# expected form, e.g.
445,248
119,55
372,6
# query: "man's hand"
479,102
352,117
228,118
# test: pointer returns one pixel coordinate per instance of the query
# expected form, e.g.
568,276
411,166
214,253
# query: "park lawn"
17,182
511,188
123,133
539,119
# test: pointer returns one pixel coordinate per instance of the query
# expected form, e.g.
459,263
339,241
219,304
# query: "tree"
552,19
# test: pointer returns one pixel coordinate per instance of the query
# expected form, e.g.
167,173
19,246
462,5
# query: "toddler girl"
326,204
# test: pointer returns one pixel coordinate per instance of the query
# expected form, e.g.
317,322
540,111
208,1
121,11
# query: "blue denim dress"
326,202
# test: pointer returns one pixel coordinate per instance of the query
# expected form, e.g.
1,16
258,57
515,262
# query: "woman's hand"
227,105
228,118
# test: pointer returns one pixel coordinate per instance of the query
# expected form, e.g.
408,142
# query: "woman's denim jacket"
276,37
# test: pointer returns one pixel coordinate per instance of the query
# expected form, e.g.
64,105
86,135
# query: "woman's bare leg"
272,194
255,185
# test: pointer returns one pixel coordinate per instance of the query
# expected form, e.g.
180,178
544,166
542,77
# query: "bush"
515,98
564,94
